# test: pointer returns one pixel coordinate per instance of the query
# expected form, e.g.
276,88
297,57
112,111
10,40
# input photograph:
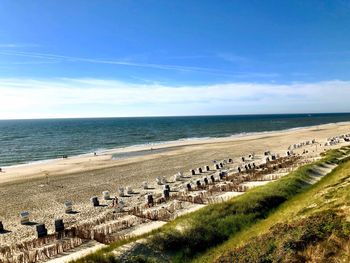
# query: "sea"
28,141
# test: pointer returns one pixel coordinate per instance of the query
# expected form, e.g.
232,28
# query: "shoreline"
88,162
169,144
166,144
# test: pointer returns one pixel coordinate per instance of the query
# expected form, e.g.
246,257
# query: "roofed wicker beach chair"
144,185
94,201
68,207
41,230
24,217
129,190
59,225
159,180
106,195
121,191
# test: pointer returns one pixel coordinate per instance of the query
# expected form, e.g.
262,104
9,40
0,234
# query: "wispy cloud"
71,59
30,98
233,58
229,57
108,61
312,53
17,45
189,57
30,62
8,45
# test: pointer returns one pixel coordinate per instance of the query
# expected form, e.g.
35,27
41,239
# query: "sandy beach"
43,188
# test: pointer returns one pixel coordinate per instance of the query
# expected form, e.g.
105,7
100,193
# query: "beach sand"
42,188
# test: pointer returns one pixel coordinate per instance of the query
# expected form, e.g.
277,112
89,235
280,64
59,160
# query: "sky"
158,58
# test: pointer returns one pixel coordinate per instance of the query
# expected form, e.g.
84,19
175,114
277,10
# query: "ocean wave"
163,144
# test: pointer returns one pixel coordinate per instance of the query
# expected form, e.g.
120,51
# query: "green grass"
316,238
215,228
306,203
104,255
109,258
189,236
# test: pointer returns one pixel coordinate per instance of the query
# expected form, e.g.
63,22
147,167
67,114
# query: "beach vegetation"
321,237
204,235
330,195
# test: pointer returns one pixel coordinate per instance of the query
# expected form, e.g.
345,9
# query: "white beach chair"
24,217
177,177
159,180
144,185
129,190
106,195
121,191
68,207
120,206
164,180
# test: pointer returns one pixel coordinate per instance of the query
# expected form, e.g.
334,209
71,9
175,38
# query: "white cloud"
30,98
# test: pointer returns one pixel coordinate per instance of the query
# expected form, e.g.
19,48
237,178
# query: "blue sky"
268,48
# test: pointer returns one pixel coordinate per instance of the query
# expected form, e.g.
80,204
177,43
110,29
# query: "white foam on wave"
31,163
140,147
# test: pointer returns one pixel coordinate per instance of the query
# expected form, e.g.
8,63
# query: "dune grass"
217,227
187,237
322,196
320,237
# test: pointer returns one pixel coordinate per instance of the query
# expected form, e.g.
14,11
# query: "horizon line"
169,116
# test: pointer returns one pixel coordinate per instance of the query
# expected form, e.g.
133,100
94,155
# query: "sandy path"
79,252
